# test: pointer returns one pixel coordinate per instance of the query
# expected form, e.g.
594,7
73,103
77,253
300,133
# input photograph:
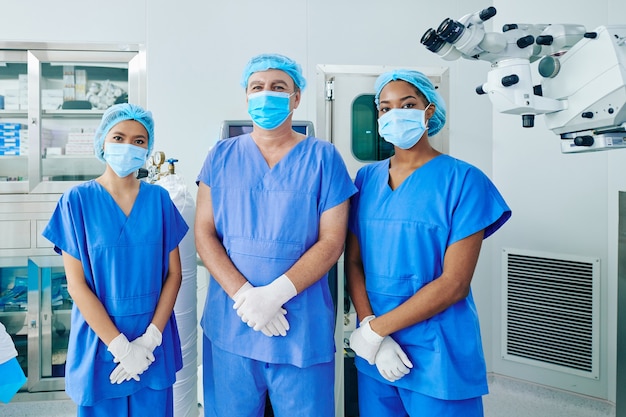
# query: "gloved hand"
257,306
391,361
277,326
151,338
365,342
134,358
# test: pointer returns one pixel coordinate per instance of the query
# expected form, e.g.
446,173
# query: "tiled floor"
507,398
512,398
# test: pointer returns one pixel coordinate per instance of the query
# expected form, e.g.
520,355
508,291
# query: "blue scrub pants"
236,386
145,402
378,399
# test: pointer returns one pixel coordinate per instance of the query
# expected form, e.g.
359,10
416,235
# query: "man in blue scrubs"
271,220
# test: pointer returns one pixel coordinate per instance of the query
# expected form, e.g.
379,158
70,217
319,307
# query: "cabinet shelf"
74,114
21,114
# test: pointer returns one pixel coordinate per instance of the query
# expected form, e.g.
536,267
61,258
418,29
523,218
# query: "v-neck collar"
408,178
114,202
261,159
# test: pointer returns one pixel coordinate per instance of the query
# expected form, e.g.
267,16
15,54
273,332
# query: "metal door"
49,309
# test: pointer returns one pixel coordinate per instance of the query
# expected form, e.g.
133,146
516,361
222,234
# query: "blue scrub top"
403,235
266,219
125,260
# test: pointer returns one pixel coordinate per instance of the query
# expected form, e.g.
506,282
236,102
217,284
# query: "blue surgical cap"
118,113
423,84
266,62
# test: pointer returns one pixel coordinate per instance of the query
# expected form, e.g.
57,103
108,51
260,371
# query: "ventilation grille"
551,311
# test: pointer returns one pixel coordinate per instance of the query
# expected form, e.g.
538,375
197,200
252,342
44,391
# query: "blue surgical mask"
124,158
269,109
402,127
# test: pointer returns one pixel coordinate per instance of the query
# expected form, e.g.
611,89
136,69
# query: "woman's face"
399,94
128,131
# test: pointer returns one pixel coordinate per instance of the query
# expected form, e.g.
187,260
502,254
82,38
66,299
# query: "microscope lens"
450,30
432,41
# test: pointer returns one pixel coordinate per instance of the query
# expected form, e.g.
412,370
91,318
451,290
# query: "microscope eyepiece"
450,30
432,41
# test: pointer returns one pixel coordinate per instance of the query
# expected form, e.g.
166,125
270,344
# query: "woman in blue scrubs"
415,233
119,239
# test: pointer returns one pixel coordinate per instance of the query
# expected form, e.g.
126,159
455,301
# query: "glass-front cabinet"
52,98
35,308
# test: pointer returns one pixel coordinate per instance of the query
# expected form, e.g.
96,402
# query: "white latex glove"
134,358
151,338
365,342
391,361
278,326
257,306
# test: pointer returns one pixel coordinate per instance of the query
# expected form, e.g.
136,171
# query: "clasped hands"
262,307
390,360
133,358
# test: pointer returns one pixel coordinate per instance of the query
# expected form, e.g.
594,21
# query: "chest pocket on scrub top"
262,261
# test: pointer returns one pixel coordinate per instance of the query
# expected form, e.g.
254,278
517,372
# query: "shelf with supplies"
52,98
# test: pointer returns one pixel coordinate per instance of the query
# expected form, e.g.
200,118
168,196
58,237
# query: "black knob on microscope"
525,41
487,13
587,115
510,80
545,40
509,26
528,120
585,140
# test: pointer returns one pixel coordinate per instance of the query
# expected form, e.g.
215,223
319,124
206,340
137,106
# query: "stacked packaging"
80,141
13,139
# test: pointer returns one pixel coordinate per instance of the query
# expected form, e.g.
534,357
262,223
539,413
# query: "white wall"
196,51
73,20
562,203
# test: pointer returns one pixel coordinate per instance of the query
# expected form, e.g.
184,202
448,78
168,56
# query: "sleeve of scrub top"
337,183
205,172
354,203
61,229
479,206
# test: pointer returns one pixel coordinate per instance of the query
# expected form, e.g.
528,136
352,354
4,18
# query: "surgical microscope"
581,92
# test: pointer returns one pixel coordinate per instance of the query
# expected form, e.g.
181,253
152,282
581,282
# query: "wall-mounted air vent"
551,311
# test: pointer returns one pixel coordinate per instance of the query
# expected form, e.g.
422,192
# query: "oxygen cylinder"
185,309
